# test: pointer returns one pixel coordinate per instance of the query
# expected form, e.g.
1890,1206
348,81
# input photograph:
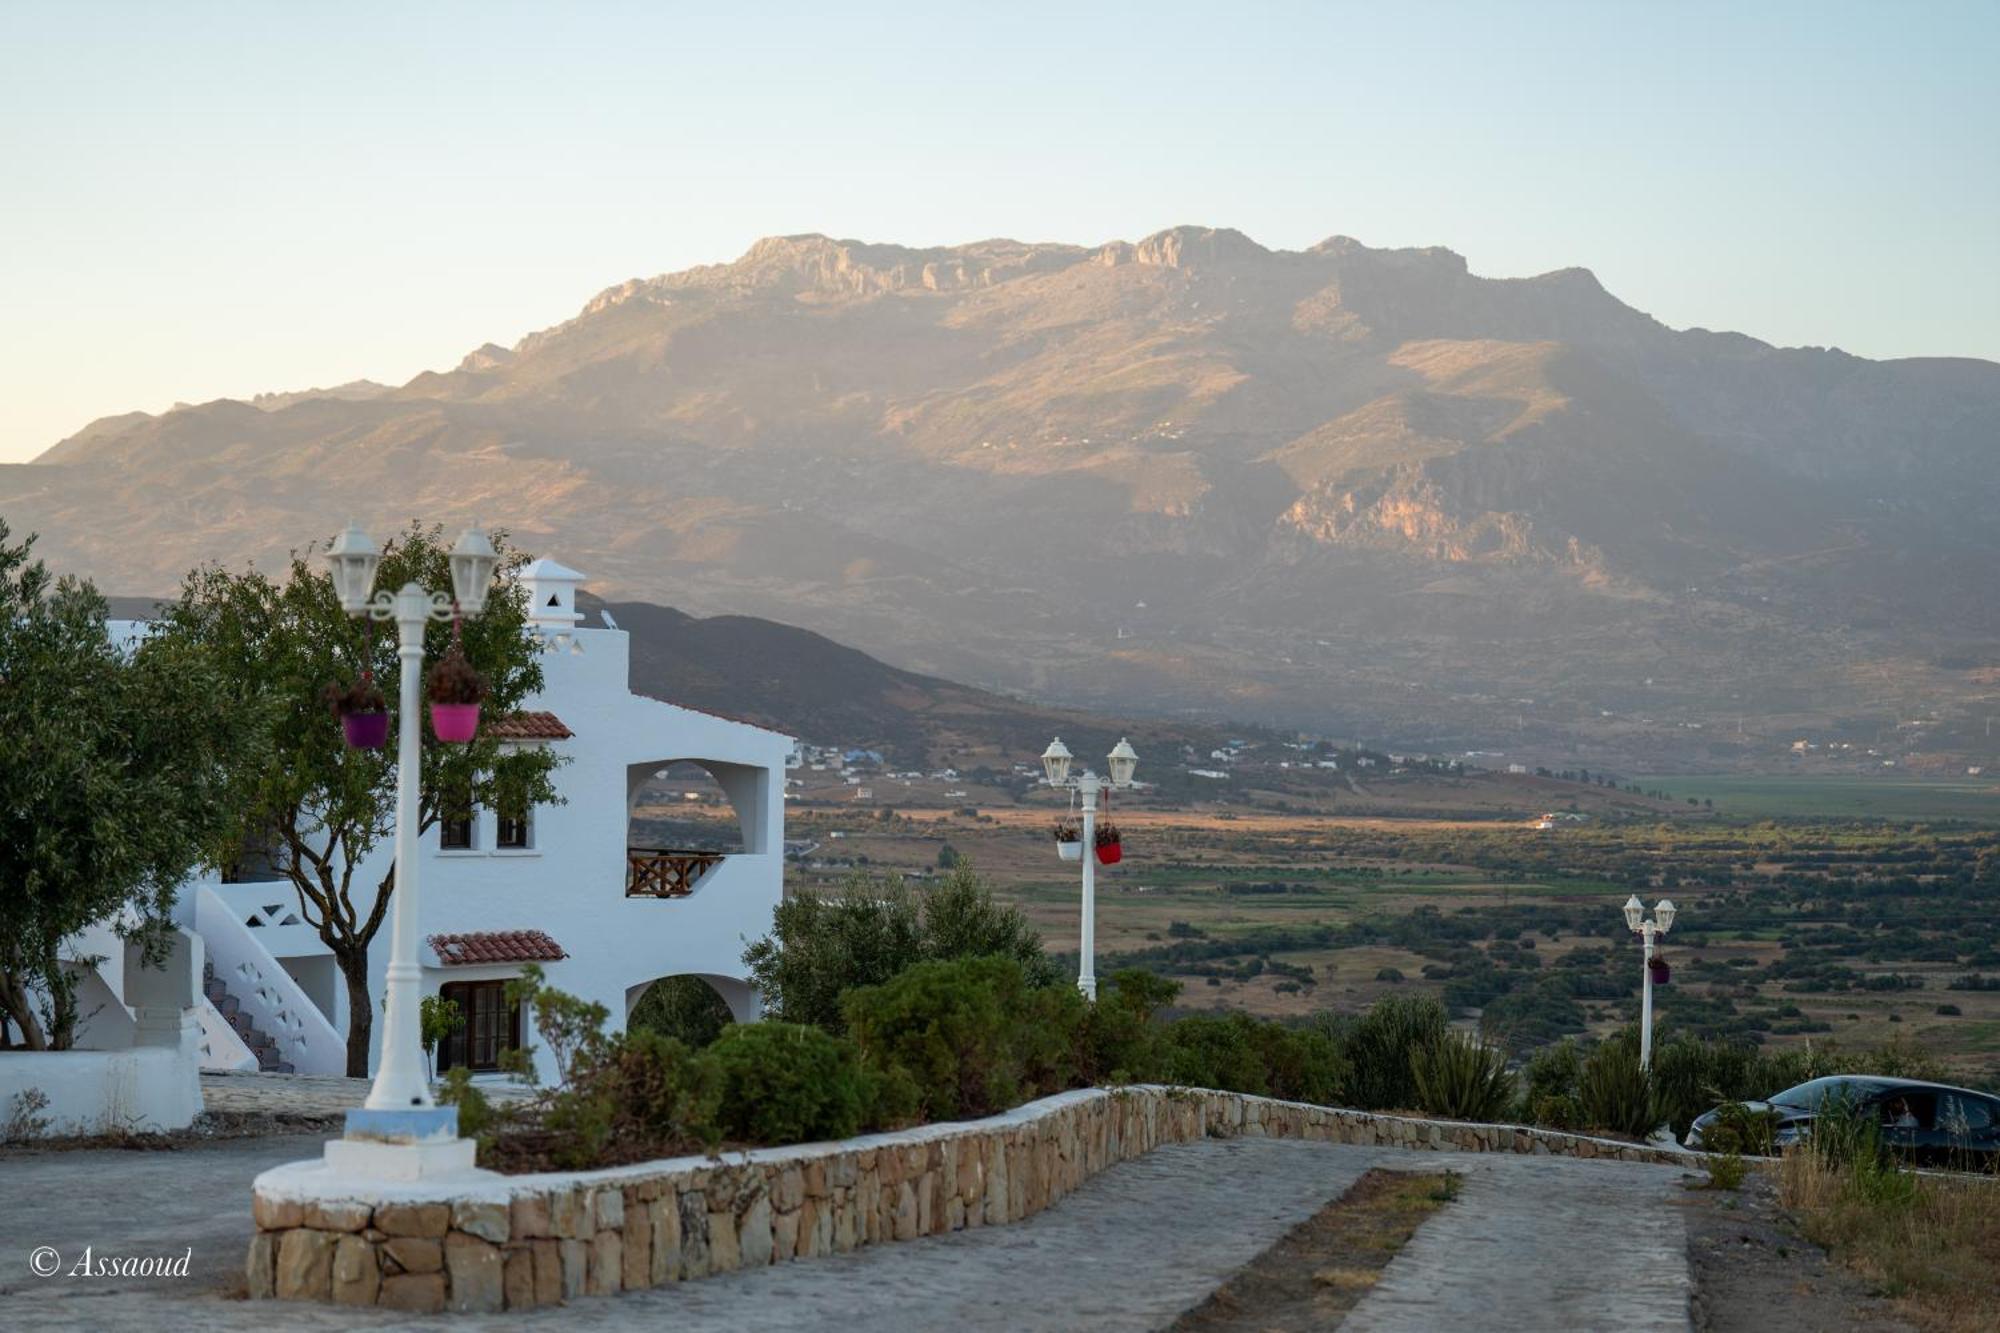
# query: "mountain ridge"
1361,489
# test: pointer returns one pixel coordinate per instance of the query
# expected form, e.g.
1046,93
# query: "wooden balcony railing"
665,872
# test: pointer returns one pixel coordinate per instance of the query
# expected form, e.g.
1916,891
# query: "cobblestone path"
1526,1246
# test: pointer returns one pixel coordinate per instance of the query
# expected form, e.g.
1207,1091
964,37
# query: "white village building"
568,887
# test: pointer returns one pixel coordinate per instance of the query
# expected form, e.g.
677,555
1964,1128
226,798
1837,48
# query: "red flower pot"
1110,853
1661,972
456,723
365,731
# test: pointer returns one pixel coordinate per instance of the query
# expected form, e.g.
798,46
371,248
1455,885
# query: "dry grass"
1933,1242
1322,1268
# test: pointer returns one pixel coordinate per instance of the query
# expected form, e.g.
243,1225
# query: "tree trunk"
353,965
14,999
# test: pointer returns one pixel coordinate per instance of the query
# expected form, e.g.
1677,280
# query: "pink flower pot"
456,723
365,731
1110,853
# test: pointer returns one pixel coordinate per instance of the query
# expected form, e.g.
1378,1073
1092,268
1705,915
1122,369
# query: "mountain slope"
1356,488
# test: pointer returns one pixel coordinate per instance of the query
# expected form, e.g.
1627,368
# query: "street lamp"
399,1111
1648,931
1120,762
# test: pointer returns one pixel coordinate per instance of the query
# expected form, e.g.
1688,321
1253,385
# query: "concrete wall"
146,1089
486,1242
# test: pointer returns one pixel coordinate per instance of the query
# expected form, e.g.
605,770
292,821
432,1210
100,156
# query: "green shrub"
788,1083
871,930
1121,1042
1462,1077
1614,1093
1739,1129
1557,1111
1214,1051
973,1034
1726,1170
1550,1078
1380,1044
1301,1064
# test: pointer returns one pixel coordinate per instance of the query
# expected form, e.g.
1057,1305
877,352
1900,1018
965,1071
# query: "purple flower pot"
456,723
365,731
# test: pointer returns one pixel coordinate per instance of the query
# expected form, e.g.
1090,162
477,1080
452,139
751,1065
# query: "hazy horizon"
220,202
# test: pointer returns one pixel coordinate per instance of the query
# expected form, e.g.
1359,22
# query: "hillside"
825,693
1356,489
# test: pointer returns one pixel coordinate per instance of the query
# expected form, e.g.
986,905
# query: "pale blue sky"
198,201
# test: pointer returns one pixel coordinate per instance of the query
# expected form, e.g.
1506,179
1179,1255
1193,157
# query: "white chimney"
551,591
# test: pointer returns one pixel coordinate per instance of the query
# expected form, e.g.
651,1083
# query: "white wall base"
147,1089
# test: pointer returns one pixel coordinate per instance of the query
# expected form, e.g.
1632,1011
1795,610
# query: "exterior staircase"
231,1009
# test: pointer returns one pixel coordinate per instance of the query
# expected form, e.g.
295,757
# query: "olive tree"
114,765
317,809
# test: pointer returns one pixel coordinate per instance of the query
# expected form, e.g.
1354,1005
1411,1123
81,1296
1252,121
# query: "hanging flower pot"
456,690
363,712
1661,972
1110,844
1069,841
365,731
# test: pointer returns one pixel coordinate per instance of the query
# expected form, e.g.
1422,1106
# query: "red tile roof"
529,727
496,946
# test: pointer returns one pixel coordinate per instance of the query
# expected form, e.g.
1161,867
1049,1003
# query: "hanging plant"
1662,974
1069,840
1110,844
362,710
455,689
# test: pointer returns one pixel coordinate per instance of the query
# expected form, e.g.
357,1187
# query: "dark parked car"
1930,1123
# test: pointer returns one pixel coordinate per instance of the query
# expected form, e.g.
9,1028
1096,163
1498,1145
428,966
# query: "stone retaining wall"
498,1242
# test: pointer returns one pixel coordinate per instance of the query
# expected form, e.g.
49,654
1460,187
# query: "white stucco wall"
143,1089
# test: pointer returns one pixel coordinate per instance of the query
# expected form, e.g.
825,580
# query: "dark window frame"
492,1027
514,835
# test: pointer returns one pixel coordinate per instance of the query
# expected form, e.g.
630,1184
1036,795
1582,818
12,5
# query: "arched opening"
691,1007
683,806
684,817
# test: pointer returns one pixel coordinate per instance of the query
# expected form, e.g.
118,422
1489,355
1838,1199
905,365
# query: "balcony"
666,872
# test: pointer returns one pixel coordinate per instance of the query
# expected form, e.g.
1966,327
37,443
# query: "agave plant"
1460,1076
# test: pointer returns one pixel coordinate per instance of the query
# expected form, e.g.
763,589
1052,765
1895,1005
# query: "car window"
1808,1096
1962,1116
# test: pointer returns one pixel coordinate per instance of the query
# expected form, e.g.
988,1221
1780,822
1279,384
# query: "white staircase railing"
275,1003
221,1047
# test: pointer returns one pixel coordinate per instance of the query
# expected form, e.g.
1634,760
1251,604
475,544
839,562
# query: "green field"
1974,800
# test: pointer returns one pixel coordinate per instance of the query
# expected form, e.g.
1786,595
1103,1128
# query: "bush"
1551,1077
1121,1043
1462,1077
1726,1171
789,1083
973,1034
1737,1129
872,929
1379,1047
1614,1093
1214,1051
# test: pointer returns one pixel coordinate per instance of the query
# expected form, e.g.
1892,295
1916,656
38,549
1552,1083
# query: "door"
490,1028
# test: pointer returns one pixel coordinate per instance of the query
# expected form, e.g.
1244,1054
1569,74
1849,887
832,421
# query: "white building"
566,888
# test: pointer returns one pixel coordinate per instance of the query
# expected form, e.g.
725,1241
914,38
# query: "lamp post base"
401,1145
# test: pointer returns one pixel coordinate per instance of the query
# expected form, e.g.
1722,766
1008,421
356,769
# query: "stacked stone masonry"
520,1242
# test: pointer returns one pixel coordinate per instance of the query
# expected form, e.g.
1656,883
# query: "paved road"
1525,1247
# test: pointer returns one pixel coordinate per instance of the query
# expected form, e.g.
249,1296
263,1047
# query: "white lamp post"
1055,767
1648,931
421,1136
